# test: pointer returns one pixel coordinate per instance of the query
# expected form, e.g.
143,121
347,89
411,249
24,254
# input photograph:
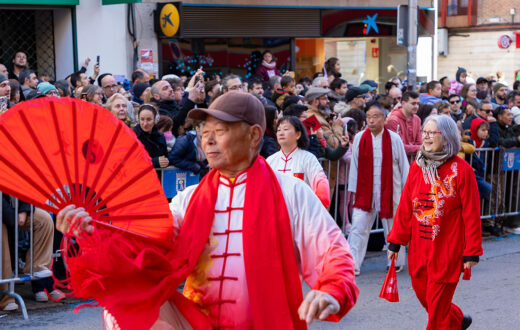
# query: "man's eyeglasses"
488,111
235,87
454,102
428,134
111,87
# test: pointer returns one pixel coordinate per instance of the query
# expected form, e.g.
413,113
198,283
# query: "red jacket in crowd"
408,129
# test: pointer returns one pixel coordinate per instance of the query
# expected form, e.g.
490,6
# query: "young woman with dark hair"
294,160
149,135
269,145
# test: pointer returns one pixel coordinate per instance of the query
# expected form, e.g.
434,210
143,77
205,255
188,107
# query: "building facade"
229,36
222,36
480,35
58,35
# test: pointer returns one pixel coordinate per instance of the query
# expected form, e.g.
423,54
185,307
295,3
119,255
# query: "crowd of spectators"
331,110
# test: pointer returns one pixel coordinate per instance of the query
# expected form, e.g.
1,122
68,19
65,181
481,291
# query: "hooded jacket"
408,129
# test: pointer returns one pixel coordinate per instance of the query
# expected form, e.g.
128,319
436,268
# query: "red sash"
365,179
271,269
132,278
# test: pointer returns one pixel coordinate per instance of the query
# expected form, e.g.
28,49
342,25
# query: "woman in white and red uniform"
294,160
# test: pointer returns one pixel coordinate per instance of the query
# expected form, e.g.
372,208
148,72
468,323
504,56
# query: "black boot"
466,322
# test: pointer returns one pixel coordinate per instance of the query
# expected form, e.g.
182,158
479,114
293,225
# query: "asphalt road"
492,297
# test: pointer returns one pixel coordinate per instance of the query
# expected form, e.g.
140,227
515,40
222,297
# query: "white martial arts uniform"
362,221
219,277
303,165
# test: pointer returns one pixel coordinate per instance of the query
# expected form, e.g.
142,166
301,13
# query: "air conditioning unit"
442,42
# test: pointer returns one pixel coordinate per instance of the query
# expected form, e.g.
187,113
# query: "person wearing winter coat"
147,132
187,153
458,83
268,68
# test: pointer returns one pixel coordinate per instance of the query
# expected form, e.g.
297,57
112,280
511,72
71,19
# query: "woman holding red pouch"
438,216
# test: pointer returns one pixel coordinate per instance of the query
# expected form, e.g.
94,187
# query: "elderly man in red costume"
253,233
439,217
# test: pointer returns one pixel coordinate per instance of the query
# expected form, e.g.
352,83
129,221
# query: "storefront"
225,39
40,28
58,35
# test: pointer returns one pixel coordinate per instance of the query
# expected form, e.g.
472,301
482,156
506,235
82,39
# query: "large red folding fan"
61,151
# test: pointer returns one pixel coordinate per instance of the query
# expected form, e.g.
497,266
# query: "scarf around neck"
271,269
269,66
365,182
429,162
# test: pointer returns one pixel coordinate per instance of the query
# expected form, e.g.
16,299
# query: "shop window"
30,31
457,7
241,56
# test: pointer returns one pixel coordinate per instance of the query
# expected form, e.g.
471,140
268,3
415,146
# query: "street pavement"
492,297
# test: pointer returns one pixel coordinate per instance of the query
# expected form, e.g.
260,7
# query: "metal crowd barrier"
502,172
16,277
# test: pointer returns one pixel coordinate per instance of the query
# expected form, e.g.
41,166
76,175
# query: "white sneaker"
41,296
357,272
513,230
10,307
42,274
57,295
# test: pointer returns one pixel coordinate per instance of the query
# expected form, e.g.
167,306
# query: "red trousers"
436,299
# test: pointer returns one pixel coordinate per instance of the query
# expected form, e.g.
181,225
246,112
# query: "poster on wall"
147,61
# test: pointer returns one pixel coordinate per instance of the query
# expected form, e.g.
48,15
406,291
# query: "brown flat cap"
233,107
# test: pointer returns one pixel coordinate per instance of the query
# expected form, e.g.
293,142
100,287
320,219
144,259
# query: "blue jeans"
484,187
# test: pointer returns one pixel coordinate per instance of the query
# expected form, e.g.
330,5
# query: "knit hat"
367,88
459,72
2,78
139,89
45,87
497,87
354,92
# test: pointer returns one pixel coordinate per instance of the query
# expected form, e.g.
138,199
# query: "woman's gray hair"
449,132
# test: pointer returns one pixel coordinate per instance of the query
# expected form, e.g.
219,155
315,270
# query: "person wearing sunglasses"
439,219
485,112
455,107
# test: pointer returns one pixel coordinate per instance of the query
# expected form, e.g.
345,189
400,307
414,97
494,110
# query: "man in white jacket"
367,181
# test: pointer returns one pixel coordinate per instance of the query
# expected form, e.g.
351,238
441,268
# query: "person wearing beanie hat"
500,92
5,91
5,88
138,92
48,89
460,80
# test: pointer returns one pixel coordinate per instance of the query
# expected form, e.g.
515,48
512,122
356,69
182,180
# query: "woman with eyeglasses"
92,94
439,219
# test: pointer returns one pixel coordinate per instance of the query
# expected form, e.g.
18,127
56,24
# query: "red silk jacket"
441,222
